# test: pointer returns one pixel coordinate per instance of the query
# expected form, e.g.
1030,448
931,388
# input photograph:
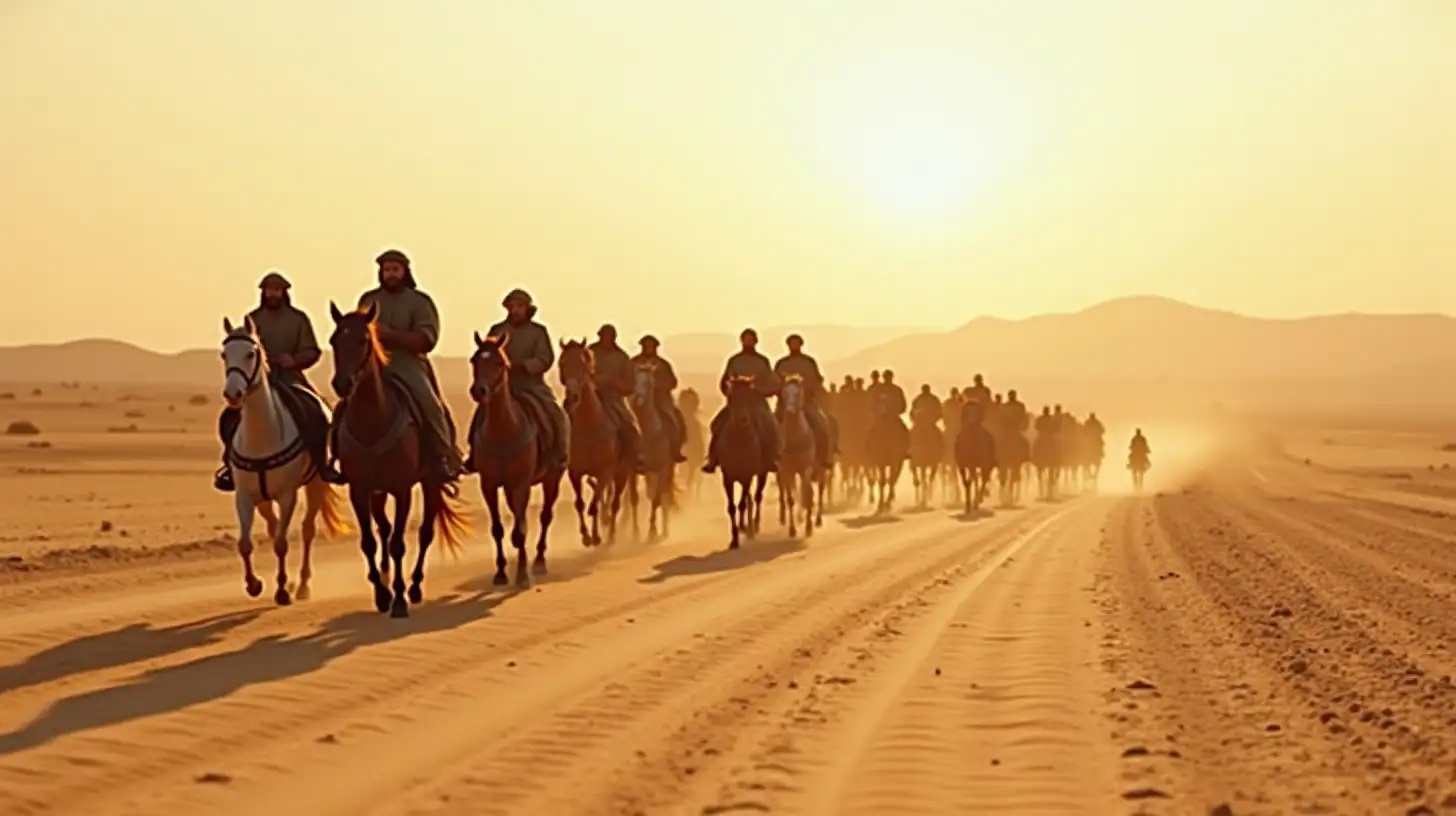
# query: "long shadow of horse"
722,560
266,660
974,515
120,647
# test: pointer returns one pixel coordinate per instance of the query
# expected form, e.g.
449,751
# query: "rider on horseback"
1016,414
1138,451
408,327
664,379
978,392
614,381
287,337
892,394
531,355
1093,426
748,362
797,362
926,407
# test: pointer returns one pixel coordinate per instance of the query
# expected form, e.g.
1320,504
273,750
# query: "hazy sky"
674,165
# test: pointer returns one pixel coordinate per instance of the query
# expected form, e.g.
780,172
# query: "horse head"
578,366
791,394
742,397
644,383
490,368
245,366
355,343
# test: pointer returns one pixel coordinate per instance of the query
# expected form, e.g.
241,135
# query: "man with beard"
408,326
664,379
615,381
287,337
748,362
531,355
797,362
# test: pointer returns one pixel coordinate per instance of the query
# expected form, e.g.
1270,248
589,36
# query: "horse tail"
451,523
322,495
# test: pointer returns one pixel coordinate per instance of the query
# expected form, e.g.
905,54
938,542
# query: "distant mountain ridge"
1135,338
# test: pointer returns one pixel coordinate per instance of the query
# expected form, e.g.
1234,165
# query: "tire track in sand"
457,721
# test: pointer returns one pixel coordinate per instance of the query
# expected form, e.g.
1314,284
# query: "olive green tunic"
285,330
807,368
410,310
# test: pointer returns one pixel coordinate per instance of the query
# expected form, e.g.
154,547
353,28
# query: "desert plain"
1267,629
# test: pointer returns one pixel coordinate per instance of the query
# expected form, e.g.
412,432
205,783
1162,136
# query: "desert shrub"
39,444
7,395
21,427
134,414
197,399
123,429
35,392
1449,447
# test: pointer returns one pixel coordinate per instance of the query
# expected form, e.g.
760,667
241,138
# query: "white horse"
270,462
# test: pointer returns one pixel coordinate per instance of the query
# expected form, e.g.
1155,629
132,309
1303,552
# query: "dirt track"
1252,640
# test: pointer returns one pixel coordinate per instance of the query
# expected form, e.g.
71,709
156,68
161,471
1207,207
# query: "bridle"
251,379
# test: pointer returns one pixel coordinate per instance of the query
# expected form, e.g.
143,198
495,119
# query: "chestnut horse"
659,474
379,454
741,459
595,456
509,458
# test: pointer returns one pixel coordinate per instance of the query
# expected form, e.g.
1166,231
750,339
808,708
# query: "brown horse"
509,458
975,452
741,459
887,446
595,456
799,462
927,453
379,454
659,472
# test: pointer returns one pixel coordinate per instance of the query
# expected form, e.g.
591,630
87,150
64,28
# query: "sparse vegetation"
134,414
119,429
197,399
1449,447
35,392
7,395
39,444
22,427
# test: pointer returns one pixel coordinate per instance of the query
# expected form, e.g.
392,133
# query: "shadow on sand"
265,660
975,515
870,520
751,552
119,647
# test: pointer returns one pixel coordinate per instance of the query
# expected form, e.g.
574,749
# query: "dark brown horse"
595,456
510,458
659,474
741,459
379,454
975,453
887,446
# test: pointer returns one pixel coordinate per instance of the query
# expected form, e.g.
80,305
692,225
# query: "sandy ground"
1269,635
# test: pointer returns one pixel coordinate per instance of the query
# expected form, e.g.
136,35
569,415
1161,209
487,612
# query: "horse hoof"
538,566
416,594
254,587
399,609
500,579
381,599
303,593
523,580
282,598
733,545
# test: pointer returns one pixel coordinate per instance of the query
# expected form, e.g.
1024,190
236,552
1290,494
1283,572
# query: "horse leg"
518,496
732,511
758,487
400,607
287,503
244,505
434,500
497,531
380,513
580,505
550,491
313,498
788,507
363,502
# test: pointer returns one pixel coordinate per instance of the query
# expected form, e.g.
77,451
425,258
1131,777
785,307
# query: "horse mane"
249,331
494,343
371,331
589,356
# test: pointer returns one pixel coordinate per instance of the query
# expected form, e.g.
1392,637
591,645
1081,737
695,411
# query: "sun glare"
921,136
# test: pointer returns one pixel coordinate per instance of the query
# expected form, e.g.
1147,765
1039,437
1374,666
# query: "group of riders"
407,326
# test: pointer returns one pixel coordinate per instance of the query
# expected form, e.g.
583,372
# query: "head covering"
521,296
276,281
648,339
396,256
607,330
794,338
1011,394
747,333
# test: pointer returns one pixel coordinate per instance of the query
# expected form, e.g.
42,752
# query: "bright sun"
922,136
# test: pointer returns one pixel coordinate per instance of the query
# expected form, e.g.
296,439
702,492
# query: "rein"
252,381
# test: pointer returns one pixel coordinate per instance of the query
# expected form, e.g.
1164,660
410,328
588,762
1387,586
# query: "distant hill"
1150,337
114,361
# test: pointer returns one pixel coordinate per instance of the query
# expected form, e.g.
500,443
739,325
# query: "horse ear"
505,340
478,342
372,313
335,313
561,341
250,325
227,326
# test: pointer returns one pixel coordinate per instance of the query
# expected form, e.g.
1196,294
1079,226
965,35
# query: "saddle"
538,419
305,407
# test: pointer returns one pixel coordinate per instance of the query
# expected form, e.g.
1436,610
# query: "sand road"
1263,641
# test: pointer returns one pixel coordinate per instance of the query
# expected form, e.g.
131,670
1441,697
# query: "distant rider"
531,356
615,382
748,362
664,379
797,362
